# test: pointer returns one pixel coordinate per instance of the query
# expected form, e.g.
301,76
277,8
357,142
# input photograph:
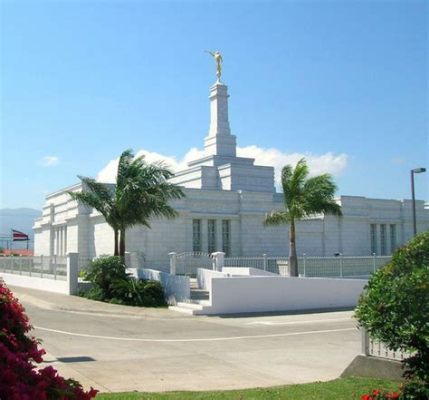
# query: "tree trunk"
293,259
122,244
116,233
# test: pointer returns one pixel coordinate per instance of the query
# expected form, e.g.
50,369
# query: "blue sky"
342,83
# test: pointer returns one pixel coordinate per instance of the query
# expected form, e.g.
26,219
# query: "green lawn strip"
338,389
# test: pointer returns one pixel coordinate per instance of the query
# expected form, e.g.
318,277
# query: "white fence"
53,274
327,267
341,266
54,267
189,262
277,265
375,348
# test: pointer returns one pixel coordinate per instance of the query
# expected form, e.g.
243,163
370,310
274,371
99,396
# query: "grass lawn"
339,389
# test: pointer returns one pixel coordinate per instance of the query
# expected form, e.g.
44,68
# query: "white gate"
188,263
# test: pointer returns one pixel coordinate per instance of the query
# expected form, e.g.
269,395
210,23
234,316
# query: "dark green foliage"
394,308
112,284
136,292
104,273
415,391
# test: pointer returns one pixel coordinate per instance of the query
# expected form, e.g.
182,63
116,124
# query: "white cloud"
49,161
318,164
108,173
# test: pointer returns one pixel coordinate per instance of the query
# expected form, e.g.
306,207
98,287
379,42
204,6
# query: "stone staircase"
197,304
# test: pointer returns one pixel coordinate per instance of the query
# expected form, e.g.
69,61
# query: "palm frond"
293,180
123,167
277,218
319,195
102,190
142,192
92,200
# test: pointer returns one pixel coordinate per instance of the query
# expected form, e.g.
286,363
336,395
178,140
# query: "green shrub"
415,391
136,292
103,272
154,295
394,307
111,283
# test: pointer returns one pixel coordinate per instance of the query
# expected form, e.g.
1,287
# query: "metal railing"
277,265
189,262
341,266
334,267
49,267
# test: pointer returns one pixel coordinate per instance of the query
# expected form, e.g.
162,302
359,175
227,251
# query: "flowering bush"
378,395
19,377
409,391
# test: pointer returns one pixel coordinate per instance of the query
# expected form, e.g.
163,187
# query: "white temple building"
227,198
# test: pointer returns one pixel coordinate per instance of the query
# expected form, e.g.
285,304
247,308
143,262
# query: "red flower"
19,378
378,395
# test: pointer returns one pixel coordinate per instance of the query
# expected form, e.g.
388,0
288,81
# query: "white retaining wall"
263,294
49,285
176,288
204,277
247,271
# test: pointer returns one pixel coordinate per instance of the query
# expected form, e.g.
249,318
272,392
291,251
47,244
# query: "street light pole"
413,196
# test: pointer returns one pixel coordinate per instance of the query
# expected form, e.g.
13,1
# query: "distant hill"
21,219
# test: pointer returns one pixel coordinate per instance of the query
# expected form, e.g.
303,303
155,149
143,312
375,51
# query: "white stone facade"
227,198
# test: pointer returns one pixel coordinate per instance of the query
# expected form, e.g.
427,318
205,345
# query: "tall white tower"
220,168
219,141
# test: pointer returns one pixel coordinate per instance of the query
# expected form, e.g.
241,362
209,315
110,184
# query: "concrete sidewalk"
119,348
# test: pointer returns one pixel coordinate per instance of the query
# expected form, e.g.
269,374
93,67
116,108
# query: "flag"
19,236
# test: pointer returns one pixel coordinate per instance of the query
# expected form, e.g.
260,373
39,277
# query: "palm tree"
303,197
142,191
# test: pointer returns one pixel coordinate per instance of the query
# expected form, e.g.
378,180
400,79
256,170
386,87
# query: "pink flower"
19,378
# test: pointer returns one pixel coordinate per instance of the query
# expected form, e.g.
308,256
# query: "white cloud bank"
318,164
49,161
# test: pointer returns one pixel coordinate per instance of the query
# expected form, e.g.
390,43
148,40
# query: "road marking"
218,339
273,323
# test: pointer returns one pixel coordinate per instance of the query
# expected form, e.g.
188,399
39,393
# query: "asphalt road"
116,348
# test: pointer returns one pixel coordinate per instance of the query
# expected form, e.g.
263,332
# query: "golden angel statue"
218,59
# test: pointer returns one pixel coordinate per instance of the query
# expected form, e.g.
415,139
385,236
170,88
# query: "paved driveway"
117,348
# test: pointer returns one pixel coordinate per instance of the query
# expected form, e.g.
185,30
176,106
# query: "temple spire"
219,140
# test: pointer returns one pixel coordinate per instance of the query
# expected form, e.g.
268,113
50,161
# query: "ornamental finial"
218,59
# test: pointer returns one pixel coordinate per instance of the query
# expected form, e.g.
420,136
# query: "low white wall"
176,288
67,286
204,277
247,271
49,285
260,294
